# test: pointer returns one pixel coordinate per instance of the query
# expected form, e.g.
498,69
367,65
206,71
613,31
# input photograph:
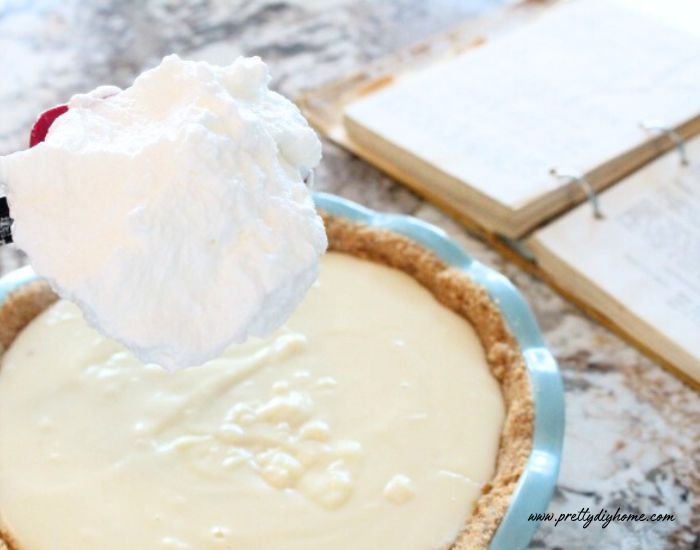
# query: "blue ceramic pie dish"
536,485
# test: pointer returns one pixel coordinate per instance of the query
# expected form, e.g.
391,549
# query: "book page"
568,90
644,255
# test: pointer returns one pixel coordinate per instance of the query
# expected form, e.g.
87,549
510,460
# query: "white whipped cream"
174,212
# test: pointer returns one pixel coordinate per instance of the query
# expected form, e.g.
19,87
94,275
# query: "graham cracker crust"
451,287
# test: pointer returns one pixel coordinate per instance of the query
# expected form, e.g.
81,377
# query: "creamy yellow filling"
370,421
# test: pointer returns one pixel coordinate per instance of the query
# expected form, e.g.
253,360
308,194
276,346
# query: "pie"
393,411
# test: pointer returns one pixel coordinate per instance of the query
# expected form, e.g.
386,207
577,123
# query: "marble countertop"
633,430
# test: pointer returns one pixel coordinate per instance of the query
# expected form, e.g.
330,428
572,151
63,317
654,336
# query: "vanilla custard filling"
369,421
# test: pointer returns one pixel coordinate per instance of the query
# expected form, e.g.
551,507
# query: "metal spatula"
5,222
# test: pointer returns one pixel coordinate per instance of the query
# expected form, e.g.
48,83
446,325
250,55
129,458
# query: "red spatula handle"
44,122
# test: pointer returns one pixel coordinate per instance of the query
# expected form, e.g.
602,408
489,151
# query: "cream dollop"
174,212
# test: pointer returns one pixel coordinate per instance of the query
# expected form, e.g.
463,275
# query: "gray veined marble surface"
633,431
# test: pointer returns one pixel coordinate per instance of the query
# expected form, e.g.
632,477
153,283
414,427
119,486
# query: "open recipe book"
640,263
514,135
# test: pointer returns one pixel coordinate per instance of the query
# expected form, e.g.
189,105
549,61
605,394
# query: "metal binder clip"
581,180
675,137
